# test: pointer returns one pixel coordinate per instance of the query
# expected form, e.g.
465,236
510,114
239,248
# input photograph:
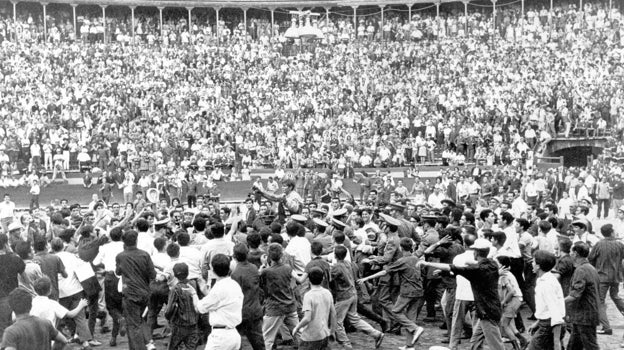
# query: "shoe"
94,342
406,348
443,326
379,340
605,331
419,331
445,341
466,335
122,327
104,329
150,346
112,342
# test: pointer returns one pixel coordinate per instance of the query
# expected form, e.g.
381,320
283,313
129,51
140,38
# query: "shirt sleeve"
59,310
307,303
9,339
210,301
577,285
471,273
553,297
396,266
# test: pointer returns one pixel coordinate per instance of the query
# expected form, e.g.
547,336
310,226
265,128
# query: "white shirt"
511,247
161,260
7,210
213,247
299,248
224,303
464,289
193,259
145,242
70,285
47,309
107,254
549,301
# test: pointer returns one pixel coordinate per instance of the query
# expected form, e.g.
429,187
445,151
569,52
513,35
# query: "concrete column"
437,5
217,19
104,20
382,21
272,20
45,21
190,23
132,8
355,20
74,15
14,11
327,17
493,22
160,10
245,23
466,17
409,12
522,20
15,17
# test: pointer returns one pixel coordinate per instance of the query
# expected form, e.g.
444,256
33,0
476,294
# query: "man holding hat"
389,254
483,278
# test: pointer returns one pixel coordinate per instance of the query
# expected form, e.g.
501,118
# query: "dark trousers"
93,311
384,298
5,315
183,337
517,270
543,338
156,303
252,329
315,345
433,293
603,207
34,202
138,332
191,201
113,300
583,338
528,293
369,313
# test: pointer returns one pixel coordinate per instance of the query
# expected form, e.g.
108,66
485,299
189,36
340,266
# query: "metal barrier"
544,163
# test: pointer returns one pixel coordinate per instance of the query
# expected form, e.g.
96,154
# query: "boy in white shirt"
48,309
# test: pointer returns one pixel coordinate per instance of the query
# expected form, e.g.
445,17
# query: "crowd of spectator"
447,95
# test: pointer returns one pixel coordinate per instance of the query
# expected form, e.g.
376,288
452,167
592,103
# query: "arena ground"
431,337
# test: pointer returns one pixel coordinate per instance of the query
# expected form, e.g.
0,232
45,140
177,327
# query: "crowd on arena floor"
366,104
308,269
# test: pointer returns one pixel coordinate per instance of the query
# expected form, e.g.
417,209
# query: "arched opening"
577,156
